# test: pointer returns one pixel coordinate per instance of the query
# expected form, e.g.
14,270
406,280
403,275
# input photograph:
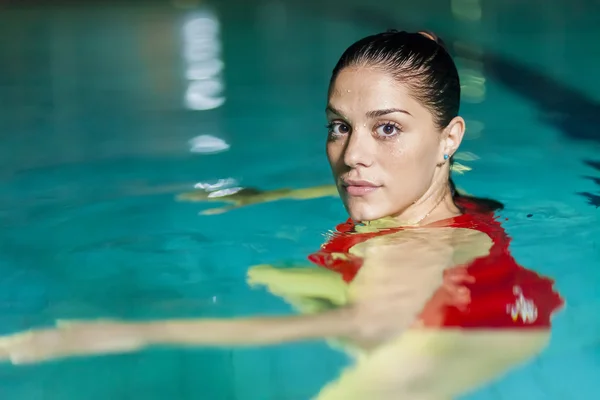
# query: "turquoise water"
106,114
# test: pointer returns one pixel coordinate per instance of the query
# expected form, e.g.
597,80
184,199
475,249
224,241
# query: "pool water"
108,110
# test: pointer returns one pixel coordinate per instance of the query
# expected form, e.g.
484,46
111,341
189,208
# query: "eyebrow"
371,114
379,113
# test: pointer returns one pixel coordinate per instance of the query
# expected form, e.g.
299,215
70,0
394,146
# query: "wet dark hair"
422,62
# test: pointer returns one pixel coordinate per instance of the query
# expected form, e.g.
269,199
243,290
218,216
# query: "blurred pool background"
108,109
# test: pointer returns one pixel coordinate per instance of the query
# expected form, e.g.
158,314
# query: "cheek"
410,164
333,155
422,150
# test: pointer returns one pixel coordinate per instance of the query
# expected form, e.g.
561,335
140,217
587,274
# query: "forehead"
361,88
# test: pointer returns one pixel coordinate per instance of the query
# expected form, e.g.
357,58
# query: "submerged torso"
504,295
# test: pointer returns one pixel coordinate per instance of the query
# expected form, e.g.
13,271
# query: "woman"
418,283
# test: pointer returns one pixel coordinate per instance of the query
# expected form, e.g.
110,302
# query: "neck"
436,204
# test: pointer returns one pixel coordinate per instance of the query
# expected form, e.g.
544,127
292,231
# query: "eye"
338,129
388,129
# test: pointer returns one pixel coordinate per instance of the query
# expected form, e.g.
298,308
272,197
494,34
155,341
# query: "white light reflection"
221,188
204,65
207,144
224,192
221,183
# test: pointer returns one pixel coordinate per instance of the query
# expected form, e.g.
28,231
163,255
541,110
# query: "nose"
359,149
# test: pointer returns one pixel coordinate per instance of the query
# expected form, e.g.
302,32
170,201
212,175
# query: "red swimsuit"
504,295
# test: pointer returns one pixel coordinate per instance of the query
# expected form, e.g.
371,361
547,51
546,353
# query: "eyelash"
330,126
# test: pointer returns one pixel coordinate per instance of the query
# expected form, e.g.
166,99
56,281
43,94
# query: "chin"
364,214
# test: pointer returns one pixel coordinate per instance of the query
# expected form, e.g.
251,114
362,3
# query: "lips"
359,187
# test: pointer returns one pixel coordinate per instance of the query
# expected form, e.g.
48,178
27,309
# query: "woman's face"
383,146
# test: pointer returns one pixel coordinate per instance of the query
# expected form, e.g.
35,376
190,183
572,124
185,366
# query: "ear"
453,136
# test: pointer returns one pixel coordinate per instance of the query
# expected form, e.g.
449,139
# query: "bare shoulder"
459,244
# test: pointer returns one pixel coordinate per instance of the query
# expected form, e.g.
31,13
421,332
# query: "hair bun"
434,37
